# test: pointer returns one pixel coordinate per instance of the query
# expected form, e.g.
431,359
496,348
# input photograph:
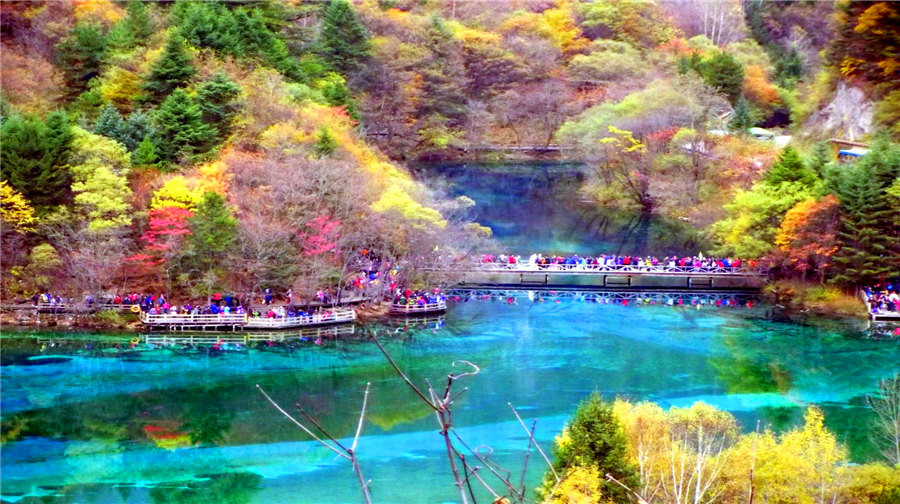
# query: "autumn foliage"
808,235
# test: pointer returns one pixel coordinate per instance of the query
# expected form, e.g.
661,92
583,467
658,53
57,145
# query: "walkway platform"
80,307
600,277
418,309
236,322
617,296
879,316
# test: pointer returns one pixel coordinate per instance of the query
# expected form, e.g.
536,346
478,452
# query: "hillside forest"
190,147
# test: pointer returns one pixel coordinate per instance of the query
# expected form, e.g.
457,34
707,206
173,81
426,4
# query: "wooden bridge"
600,276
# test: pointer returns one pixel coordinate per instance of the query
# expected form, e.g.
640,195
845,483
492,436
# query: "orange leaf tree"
808,235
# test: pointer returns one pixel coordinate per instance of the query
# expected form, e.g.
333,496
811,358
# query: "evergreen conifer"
139,21
180,128
444,77
789,167
325,144
870,241
218,101
743,118
145,153
725,74
80,55
819,158
344,41
213,230
597,439
173,69
138,126
34,157
109,123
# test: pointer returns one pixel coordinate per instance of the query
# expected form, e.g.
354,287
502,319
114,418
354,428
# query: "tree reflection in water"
228,488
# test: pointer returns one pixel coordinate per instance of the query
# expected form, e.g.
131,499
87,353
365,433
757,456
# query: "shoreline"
28,317
789,302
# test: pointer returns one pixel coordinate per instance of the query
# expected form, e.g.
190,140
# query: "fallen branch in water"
337,447
441,403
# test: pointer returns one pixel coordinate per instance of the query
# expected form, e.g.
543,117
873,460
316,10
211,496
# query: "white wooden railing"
612,268
418,308
64,307
187,319
333,317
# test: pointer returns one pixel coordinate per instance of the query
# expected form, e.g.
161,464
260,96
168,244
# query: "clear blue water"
537,208
102,422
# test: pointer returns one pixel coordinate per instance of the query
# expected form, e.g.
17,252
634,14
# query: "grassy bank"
814,298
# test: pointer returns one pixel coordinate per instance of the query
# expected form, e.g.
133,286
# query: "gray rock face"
849,115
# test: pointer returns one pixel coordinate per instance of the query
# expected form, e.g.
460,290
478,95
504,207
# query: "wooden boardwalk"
235,321
76,307
878,316
418,309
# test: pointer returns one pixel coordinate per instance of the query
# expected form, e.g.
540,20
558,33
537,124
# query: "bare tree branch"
362,415
296,422
402,375
546,459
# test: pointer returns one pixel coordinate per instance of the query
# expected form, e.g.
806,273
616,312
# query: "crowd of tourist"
612,299
291,312
419,297
144,301
883,298
694,263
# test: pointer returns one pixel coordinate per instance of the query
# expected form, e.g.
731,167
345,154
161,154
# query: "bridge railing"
610,268
221,319
418,308
460,294
67,307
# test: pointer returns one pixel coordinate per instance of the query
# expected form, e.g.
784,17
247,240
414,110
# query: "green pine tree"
870,240
789,167
213,230
725,74
180,128
145,153
139,21
820,156
743,117
109,123
80,56
325,144
199,23
137,126
343,42
789,69
173,70
596,438
34,157
120,37
444,77
218,100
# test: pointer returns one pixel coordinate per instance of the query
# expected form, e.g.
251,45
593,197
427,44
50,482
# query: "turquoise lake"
95,419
